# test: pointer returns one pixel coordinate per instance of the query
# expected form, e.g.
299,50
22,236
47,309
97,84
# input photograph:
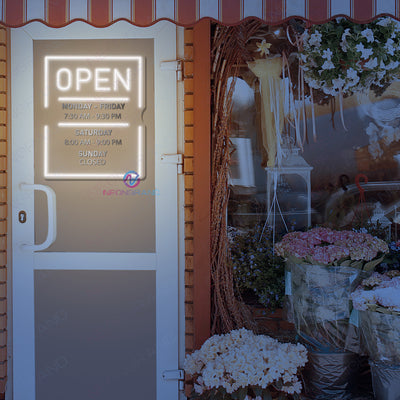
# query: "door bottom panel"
95,334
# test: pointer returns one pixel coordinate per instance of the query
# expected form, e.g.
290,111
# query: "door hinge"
173,65
175,375
173,159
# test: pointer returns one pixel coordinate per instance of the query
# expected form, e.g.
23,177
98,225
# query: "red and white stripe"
57,13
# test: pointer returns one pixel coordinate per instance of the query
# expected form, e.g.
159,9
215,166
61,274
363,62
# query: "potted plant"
325,266
378,301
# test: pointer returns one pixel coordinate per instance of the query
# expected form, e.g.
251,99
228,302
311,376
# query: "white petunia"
315,39
384,21
389,47
353,77
371,64
368,34
328,64
303,57
392,65
338,83
327,54
329,90
365,51
313,83
352,73
343,44
346,33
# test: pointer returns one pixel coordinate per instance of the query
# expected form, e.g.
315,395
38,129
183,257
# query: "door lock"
22,217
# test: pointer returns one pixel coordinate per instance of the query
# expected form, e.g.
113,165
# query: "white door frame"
167,325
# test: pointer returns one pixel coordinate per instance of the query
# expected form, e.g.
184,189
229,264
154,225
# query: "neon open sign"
92,116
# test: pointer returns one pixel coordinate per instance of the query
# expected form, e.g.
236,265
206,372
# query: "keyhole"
22,217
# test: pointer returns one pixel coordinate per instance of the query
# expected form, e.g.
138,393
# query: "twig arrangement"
228,53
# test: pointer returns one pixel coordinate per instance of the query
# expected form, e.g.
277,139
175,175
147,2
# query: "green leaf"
266,395
357,264
369,266
240,394
257,390
344,263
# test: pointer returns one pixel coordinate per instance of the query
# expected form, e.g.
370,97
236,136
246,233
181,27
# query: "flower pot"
331,376
381,333
385,381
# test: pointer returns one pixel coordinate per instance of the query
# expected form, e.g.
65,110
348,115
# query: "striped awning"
100,13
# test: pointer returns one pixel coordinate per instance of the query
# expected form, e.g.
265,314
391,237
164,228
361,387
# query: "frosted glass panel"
94,143
95,335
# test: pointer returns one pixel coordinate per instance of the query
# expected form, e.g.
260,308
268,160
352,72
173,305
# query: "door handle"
52,216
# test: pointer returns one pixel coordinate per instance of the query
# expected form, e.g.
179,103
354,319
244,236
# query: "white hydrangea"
385,292
241,358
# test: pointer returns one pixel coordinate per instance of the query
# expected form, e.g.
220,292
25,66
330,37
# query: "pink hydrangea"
326,246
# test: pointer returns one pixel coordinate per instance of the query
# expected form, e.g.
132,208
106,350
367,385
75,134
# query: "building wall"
188,170
197,184
3,210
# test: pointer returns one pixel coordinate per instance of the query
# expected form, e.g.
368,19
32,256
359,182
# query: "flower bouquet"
378,302
324,267
241,365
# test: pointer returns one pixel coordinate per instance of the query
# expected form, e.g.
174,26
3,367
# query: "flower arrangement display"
379,292
242,365
257,270
335,248
378,302
325,266
341,56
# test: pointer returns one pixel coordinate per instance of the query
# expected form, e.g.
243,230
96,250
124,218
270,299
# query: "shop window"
348,174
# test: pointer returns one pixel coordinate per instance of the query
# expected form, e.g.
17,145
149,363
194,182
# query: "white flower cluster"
241,358
344,57
380,289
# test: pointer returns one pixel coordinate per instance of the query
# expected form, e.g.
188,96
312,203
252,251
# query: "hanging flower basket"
342,57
